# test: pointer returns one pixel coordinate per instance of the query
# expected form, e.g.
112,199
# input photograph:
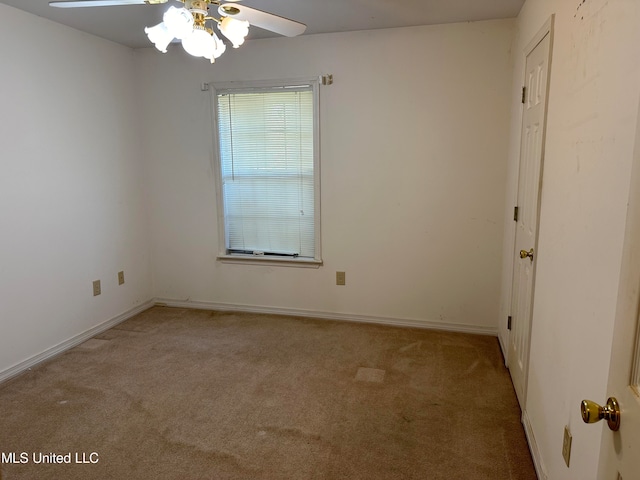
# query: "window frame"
257,86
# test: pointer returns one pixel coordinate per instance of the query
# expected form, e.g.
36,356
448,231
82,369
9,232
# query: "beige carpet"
188,394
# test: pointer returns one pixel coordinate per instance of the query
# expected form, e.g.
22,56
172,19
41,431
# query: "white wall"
413,173
71,195
593,104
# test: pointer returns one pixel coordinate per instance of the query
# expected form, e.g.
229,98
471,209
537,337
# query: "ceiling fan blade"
268,21
103,3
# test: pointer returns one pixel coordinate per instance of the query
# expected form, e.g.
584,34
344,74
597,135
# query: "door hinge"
509,322
515,214
524,94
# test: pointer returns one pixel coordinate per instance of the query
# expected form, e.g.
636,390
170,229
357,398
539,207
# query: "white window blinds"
267,169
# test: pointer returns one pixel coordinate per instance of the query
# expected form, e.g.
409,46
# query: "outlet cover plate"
120,278
96,288
341,278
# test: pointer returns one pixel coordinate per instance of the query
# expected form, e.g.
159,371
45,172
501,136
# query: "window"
268,171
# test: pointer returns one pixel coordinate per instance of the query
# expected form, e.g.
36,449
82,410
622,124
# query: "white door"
620,450
529,183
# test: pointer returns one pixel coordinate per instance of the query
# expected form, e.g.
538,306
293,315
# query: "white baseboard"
72,342
533,447
399,322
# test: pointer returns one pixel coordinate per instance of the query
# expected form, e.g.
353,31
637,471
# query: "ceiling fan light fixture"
234,30
159,36
189,25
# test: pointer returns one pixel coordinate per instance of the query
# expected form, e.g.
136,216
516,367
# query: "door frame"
546,29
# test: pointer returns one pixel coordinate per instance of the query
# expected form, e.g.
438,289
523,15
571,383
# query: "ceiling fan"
188,23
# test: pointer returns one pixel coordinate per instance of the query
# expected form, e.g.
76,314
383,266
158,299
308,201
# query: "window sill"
271,260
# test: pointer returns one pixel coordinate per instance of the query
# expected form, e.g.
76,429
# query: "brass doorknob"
525,254
592,412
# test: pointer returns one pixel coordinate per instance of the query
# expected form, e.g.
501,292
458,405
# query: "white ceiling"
125,24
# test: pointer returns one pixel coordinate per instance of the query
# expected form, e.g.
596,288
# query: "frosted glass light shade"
219,48
203,44
234,30
198,43
179,22
159,36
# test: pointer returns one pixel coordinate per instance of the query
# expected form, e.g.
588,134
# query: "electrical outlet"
96,288
120,278
341,278
566,445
